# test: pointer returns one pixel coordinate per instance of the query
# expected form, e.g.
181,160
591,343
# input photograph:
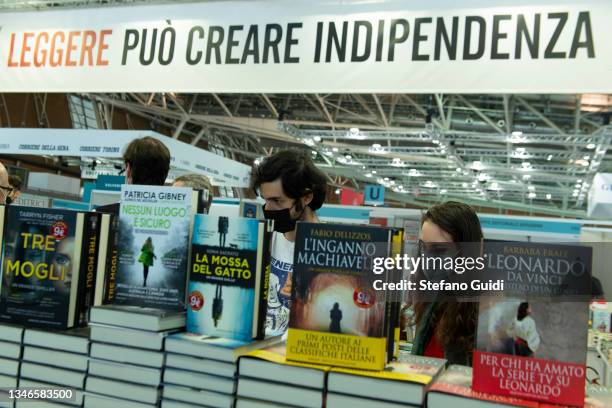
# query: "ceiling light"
590,146
373,171
531,188
337,191
386,179
477,165
443,191
464,185
347,157
587,157
317,138
392,182
525,164
549,158
520,150
577,185
531,195
458,170
334,149
309,142
579,181
526,176
354,130
368,175
548,196
376,146
517,133
575,194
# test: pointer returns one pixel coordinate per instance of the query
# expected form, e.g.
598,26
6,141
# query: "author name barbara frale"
440,285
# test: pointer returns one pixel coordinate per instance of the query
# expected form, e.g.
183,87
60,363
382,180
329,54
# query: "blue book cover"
153,247
227,290
41,258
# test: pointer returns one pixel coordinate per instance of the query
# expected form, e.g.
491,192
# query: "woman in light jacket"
524,332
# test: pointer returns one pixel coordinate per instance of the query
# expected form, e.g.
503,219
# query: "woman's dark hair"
457,219
522,311
454,321
298,174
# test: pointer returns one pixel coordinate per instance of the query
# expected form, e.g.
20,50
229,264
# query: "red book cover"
457,380
532,339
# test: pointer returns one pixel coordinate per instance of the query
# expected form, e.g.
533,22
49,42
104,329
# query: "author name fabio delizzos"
434,270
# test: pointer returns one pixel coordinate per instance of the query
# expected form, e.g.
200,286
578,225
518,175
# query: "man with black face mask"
293,189
5,188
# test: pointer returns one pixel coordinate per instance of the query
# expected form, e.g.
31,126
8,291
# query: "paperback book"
153,246
41,266
336,316
531,341
229,275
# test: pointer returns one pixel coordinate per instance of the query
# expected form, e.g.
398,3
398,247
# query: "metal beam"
381,111
326,112
440,104
223,105
478,112
270,105
539,114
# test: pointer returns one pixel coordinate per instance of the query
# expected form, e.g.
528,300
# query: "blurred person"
147,255
447,328
524,332
5,187
147,162
16,184
198,182
293,189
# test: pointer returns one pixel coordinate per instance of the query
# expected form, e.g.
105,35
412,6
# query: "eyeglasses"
7,189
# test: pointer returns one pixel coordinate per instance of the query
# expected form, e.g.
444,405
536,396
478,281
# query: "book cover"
457,380
531,341
153,247
336,316
89,261
228,275
413,369
40,266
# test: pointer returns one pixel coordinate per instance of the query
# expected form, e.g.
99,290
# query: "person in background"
147,162
447,328
16,183
197,182
5,187
293,189
524,332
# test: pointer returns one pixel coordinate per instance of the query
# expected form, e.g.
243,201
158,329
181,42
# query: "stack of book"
400,384
201,370
126,358
55,360
10,353
267,379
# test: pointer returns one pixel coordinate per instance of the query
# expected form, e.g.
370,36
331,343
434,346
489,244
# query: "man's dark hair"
298,174
149,160
15,182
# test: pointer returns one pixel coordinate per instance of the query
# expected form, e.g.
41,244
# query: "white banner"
599,204
111,143
298,46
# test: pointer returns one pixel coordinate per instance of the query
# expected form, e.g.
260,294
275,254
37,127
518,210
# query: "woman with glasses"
446,327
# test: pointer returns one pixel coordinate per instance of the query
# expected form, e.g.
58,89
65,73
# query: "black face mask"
282,219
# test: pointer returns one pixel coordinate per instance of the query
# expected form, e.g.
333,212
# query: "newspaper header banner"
111,143
302,46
